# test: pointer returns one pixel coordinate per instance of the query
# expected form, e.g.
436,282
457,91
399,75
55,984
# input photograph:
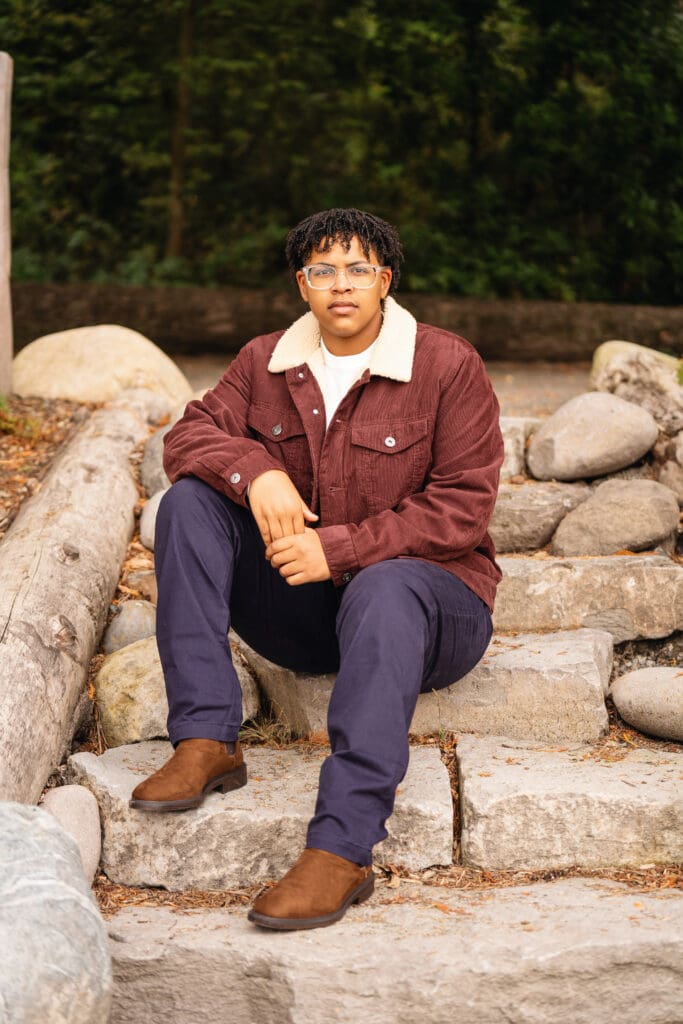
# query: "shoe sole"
225,783
289,924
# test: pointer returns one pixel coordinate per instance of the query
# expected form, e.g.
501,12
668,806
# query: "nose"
337,286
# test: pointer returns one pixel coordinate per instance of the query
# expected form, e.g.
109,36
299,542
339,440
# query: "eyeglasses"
359,275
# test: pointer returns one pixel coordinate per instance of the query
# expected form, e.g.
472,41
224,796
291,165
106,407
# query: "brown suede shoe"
315,892
196,769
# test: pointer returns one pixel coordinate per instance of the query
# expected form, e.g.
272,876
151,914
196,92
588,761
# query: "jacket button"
235,478
316,411
347,577
276,430
390,441
300,375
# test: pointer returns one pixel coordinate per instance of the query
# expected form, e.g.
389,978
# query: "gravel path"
523,389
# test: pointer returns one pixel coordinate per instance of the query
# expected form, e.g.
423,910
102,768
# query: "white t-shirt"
341,372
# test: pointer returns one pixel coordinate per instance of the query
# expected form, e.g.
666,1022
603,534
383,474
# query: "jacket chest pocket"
282,434
389,461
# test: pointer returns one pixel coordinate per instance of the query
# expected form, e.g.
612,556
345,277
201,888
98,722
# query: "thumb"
309,516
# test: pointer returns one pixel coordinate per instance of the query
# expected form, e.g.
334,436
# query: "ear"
303,287
385,277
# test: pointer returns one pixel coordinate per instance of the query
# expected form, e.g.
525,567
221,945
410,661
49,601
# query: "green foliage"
523,148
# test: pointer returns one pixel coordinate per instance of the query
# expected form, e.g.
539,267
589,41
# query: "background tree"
524,148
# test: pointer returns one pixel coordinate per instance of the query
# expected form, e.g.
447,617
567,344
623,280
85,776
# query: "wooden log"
5,244
59,566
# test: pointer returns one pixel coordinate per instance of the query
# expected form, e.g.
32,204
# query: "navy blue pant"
400,627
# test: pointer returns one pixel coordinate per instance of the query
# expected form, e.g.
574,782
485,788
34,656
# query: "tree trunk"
5,245
59,566
176,205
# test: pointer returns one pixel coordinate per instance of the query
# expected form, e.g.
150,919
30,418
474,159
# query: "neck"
356,344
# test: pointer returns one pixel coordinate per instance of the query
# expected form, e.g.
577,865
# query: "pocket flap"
389,437
274,424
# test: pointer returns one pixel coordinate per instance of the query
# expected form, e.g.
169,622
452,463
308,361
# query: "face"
349,317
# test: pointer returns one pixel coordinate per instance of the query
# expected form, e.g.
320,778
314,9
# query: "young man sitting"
331,499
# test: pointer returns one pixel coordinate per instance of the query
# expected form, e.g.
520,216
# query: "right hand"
277,506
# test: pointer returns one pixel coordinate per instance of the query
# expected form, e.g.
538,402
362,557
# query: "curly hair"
325,229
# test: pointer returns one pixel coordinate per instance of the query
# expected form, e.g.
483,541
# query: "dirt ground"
523,389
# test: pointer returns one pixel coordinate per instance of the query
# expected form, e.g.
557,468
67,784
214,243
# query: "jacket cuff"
339,552
238,477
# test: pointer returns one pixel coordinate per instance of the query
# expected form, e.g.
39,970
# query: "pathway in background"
523,389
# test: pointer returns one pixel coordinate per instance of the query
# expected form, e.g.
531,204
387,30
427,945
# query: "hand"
277,506
299,558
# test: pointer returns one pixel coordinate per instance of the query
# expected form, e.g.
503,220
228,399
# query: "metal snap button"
235,478
347,577
300,375
390,441
316,411
276,430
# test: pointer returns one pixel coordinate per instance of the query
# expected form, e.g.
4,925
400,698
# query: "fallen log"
59,566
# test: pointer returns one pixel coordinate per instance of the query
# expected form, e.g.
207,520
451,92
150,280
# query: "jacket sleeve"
211,440
450,515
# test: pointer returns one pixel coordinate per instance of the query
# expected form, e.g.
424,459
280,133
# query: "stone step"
585,952
255,833
543,687
630,596
525,807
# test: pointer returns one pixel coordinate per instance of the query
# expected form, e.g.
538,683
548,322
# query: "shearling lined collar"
392,355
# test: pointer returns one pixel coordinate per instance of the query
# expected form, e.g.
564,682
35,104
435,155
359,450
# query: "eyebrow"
324,263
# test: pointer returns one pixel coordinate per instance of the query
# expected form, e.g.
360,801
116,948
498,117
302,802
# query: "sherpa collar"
392,355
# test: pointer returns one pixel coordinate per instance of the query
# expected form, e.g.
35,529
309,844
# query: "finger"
290,569
276,531
276,546
282,558
297,579
264,529
309,516
298,522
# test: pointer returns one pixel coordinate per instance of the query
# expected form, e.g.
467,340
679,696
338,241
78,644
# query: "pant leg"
210,560
403,626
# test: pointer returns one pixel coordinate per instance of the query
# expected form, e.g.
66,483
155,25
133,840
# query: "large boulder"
633,515
526,515
591,435
97,364
55,966
131,696
642,376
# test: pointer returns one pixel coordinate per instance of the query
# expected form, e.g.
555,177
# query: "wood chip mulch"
33,432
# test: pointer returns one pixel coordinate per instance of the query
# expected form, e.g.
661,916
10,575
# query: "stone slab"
525,807
579,951
257,832
515,431
639,596
530,686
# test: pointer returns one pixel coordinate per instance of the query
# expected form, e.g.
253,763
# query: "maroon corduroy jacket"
408,467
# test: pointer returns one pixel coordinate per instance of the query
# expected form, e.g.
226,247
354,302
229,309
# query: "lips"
343,307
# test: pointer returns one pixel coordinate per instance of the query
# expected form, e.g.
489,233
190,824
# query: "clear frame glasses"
359,275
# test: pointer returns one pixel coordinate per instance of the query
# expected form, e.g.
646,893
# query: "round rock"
590,435
148,520
152,468
632,515
131,695
76,810
133,621
525,517
651,700
55,965
96,364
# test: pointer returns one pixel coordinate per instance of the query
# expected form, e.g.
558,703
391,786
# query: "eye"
360,270
321,273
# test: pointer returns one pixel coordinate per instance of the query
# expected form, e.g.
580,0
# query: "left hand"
299,558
